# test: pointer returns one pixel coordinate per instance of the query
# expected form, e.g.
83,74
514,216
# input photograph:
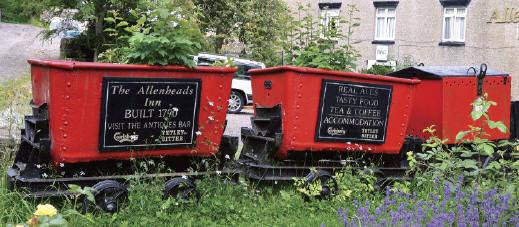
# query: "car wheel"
236,102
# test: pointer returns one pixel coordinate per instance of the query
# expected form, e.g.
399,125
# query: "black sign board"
148,113
351,111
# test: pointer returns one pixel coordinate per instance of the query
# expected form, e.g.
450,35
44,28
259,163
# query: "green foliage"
167,35
354,184
227,63
261,23
257,24
309,43
474,156
95,40
218,18
405,62
15,95
309,189
23,11
378,70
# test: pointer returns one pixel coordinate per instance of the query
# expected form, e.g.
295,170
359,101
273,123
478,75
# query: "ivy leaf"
487,149
469,163
476,114
460,135
122,24
494,165
141,20
492,124
501,126
110,19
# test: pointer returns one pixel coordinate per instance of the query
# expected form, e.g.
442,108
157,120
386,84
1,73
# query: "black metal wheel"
236,102
109,196
325,179
180,188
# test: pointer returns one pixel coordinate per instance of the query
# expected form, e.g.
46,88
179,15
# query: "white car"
241,93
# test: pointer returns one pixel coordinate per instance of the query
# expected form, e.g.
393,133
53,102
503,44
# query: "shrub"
309,43
478,158
378,70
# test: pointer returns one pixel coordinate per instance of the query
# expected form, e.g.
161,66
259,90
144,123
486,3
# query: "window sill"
386,42
446,3
385,3
452,44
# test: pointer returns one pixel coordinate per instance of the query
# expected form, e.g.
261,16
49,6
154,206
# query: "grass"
15,95
221,204
15,91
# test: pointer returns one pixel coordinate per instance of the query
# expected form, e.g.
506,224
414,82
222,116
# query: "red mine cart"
86,115
310,116
445,96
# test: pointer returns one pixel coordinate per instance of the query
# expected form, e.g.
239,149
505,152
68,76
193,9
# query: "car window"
241,66
242,72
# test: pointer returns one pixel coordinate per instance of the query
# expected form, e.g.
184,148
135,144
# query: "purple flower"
474,196
383,222
447,191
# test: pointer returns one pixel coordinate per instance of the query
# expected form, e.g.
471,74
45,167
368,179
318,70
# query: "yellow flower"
517,148
46,209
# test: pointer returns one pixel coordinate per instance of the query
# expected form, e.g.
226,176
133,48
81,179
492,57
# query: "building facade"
433,32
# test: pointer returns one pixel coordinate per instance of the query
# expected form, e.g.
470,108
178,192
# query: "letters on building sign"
506,15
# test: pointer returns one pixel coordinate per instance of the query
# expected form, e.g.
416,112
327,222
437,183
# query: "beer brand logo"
334,131
121,138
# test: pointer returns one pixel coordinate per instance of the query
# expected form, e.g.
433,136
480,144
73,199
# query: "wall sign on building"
507,15
382,52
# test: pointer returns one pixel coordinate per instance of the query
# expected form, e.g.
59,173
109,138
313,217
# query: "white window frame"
327,15
386,35
455,32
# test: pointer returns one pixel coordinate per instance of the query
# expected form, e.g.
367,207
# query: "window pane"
447,25
390,28
461,11
390,11
449,11
380,28
460,27
381,11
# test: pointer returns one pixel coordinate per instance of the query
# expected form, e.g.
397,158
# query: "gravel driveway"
236,121
20,42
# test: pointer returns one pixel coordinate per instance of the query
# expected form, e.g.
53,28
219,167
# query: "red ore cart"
89,118
312,118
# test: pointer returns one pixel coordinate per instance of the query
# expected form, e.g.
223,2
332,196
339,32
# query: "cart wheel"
325,177
109,196
181,188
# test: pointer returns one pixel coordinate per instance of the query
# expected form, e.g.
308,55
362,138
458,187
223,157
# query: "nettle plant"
342,186
310,43
490,163
163,34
